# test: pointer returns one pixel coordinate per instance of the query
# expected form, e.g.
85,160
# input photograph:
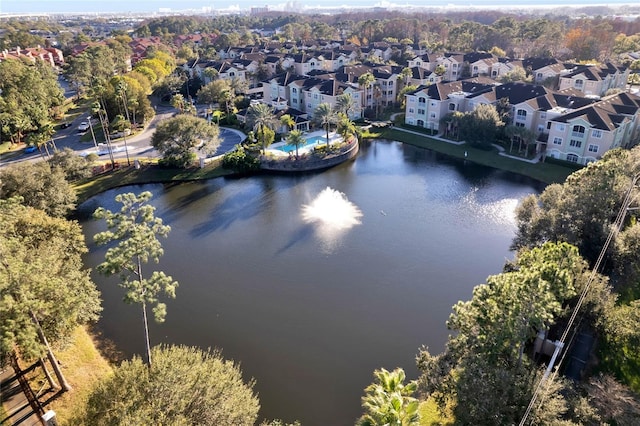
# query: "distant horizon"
14,7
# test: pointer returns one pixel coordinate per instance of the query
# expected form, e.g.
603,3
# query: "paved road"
138,145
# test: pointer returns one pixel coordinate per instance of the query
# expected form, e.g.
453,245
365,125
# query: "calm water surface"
312,293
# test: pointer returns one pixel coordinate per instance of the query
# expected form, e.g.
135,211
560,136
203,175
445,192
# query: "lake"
312,281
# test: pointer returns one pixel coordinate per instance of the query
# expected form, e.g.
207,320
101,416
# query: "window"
433,104
411,110
294,90
315,96
596,134
575,143
420,123
295,101
519,124
593,148
231,74
422,100
557,141
579,83
572,158
577,131
560,127
420,111
433,115
521,114
412,99
452,107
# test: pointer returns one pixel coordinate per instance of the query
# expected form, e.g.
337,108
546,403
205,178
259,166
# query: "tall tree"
345,104
260,117
136,230
324,115
295,138
45,290
184,385
366,81
346,129
177,139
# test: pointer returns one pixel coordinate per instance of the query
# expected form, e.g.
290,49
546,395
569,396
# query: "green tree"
41,186
29,97
178,137
212,92
345,104
288,121
481,126
325,116
389,401
366,81
135,229
260,117
74,166
45,290
345,128
184,386
295,138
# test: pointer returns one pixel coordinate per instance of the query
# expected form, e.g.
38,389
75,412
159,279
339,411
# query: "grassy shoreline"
149,173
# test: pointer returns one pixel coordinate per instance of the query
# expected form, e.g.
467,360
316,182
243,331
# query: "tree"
480,126
29,95
212,92
516,74
135,229
345,104
46,292
365,81
324,115
177,137
260,117
74,166
582,209
389,401
185,385
41,187
295,138
346,129
288,121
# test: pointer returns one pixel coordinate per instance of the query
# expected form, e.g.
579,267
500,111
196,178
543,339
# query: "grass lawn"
544,172
148,173
83,366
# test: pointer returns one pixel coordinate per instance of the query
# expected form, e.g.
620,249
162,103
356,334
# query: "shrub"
240,161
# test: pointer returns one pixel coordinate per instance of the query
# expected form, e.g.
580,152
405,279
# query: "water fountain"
332,214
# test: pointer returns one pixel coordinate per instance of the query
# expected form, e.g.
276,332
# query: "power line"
617,226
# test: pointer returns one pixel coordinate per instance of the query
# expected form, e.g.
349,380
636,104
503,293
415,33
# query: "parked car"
84,126
65,125
30,149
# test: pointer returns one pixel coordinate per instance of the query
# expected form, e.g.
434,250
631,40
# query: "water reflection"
332,214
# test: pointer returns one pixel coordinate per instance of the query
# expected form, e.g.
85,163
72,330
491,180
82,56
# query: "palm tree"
288,120
345,128
345,103
295,138
260,117
365,81
388,401
325,116
405,78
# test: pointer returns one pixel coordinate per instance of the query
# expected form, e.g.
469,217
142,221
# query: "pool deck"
308,161
333,138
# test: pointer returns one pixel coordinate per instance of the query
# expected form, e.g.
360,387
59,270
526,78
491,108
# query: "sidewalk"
14,402
501,150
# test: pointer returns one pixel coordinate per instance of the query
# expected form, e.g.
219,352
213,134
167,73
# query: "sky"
110,6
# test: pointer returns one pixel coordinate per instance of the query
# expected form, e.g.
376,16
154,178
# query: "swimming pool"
309,143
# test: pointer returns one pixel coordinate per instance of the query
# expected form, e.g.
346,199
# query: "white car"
84,126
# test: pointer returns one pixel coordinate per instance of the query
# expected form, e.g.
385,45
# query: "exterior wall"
567,144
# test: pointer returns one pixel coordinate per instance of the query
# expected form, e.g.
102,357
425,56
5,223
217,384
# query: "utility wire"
617,226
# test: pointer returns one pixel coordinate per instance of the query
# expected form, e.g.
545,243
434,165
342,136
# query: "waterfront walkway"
501,150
